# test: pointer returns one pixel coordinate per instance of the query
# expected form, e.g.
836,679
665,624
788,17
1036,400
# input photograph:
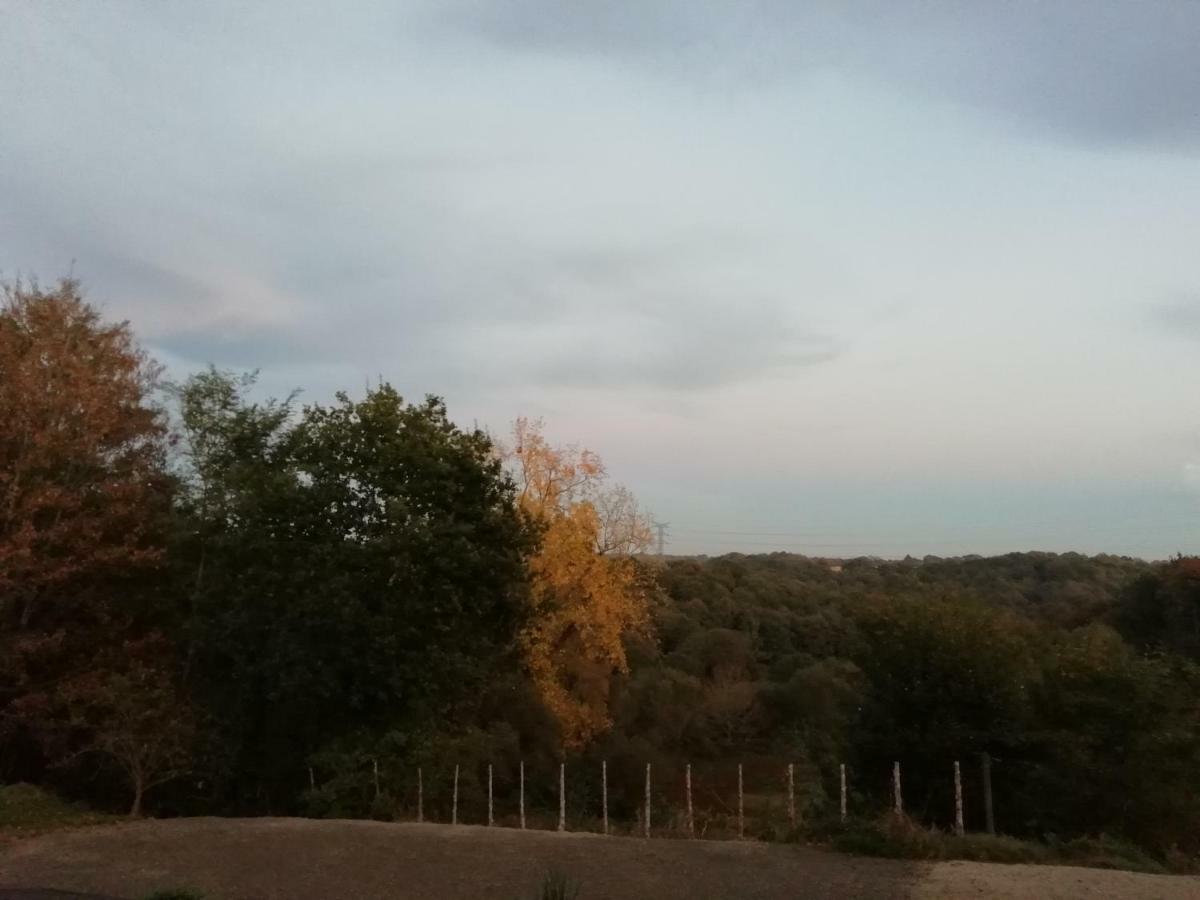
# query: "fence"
695,802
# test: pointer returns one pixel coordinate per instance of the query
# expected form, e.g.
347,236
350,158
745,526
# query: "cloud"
1180,316
668,344
1106,72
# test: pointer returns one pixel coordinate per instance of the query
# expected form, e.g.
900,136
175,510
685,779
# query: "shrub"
900,838
25,807
997,848
557,886
1105,852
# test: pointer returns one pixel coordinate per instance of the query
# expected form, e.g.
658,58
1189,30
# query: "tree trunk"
990,817
139,788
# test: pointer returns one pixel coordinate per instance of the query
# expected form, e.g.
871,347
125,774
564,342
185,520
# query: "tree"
1117,742
81,454
355,569
1161,610
948,679
588,592
83,497
132,713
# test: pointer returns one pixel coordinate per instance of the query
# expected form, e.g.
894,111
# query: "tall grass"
557,886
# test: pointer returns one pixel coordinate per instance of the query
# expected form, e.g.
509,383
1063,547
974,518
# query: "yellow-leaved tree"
588,593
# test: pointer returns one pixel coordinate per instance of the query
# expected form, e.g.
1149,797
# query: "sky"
844,278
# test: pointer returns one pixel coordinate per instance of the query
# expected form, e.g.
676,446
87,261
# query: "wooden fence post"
604,791
791,795
454,805
522,794
741,805
687,783
842,772
375,766
987,793
490,819
562,796
958,803
646,823
897,800
420,797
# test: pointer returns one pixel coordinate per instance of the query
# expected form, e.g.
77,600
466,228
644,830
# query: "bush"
557,886
27,808
1105,852
996,848
898,837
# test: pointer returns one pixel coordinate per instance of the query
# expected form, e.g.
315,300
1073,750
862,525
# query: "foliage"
84,497
26,809
898,837
864,662
557,886
588,593
352,569
132,712
1161,610
80,454
947,681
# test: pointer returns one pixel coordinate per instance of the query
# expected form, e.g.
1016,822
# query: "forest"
216,603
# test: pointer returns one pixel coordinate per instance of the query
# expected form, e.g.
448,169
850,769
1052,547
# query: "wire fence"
718,801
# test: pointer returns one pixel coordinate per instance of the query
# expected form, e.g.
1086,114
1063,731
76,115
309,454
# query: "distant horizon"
929,557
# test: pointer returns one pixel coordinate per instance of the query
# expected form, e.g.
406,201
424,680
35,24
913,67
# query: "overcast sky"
844,278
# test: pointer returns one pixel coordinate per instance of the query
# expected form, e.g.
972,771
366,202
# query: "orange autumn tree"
82,466
84,495
588,594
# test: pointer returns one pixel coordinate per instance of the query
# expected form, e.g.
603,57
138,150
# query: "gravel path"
303,859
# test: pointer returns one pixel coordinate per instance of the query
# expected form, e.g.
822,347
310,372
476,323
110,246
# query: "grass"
557,886
901,838
26,810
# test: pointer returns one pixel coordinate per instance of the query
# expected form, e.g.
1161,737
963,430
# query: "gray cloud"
1098,71
1180,316
672,343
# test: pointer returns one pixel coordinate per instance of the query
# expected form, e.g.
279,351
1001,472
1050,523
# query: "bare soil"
304,859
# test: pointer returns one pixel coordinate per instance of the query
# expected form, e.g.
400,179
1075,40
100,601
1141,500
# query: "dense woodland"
215,603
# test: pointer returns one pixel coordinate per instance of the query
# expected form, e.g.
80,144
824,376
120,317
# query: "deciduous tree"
81,455
588,593
353,569
83,497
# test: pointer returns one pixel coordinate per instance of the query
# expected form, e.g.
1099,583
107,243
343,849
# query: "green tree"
1161,610
352,570
1116,745
947,680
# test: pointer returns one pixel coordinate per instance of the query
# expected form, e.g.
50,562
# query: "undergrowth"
27,810
898,837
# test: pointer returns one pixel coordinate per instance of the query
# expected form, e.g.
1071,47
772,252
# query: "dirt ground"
303,859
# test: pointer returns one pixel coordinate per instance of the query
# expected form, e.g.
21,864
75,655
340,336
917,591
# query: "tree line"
212,602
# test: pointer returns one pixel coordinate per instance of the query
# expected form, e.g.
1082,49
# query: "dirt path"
301,859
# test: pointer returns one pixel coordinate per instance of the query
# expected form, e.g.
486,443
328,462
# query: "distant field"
303,859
